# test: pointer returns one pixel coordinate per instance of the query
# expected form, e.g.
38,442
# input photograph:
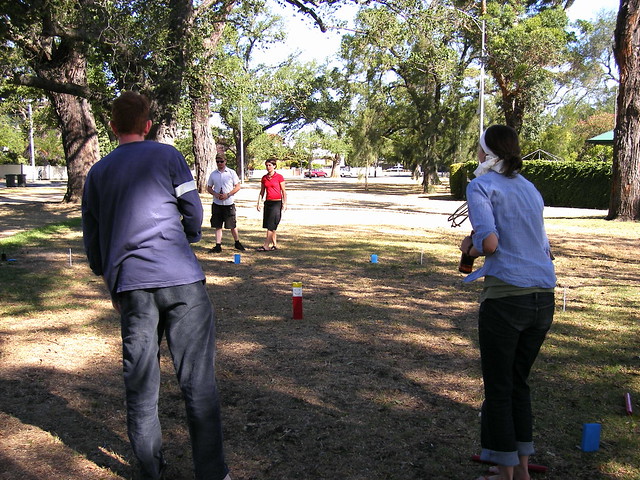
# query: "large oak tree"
81,52
625,192
47,48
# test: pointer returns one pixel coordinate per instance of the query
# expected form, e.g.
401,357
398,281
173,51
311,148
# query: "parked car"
315,173
397,168
347,172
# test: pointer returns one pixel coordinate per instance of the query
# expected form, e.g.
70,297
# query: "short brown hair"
272,161
130,113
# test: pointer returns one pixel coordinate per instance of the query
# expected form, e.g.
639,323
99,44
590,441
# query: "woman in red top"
275,202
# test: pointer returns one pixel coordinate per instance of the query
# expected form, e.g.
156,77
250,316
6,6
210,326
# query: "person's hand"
114,302
223,196
284,207
258,206
467,243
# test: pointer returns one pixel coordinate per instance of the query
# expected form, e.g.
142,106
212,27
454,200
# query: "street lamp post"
241,148
483,12
481,87
482,26
31,149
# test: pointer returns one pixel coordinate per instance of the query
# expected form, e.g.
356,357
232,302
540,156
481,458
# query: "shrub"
458,180
571,184
562,184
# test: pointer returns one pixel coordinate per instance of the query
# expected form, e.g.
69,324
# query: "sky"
587,9
312,44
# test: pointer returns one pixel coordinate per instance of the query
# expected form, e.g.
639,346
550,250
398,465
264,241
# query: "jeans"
185,314
511,332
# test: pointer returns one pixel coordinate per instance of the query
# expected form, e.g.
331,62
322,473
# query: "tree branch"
52,86
309,11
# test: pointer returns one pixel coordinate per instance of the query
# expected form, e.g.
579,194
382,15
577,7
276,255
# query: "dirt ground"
380,380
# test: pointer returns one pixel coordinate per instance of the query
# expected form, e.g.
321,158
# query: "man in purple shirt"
140,212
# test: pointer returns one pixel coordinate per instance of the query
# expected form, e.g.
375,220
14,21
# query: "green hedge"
562,184
458,180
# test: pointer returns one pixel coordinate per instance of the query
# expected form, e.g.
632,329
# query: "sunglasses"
220,161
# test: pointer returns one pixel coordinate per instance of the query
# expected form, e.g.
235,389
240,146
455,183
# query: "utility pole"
483,12
31,147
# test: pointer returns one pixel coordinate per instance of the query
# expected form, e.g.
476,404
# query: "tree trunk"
335,172
241,146
164,132
429,178
624,203
75,118
79,140
169,79
512,109
204,145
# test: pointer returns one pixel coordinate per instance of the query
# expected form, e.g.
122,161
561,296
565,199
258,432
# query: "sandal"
261,249
273,248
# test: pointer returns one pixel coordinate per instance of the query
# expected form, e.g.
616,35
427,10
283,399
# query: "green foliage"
409,62
564,133
594,125
14,131
592,73
458,180
522,53
415,65
12,141
555,139
364,137
276,98
184,144
305,145
561,184
267,146
571,184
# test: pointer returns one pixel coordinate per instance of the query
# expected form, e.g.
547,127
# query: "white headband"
491,162
483,144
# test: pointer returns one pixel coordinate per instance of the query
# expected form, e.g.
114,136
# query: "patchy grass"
380,380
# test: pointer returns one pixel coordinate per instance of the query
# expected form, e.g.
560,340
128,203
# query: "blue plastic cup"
374,258
236,258
591,437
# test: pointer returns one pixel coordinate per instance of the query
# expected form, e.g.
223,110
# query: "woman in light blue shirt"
517,301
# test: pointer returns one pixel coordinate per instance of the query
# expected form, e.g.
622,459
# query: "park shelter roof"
541,155
605,138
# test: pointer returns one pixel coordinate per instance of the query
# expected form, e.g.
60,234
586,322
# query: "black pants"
511,332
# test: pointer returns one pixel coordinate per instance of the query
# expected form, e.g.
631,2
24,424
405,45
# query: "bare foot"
518,473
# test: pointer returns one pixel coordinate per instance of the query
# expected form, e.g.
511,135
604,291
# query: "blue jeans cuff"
525,449
508,459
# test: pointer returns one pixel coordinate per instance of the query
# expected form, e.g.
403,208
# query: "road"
388,200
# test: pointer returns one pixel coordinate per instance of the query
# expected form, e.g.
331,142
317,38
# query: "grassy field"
380,380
